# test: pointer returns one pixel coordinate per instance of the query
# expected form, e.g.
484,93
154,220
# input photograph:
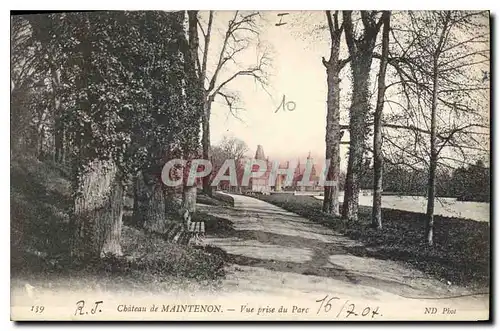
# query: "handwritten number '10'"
290,105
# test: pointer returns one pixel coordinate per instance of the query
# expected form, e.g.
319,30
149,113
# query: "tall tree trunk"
431,196
41,135
149,205
205,141
378,159
205,115
112,237
358,111
361,53
59,129
333,133
171,207
431,193
199,108
97,212
59,140
189,198
153,205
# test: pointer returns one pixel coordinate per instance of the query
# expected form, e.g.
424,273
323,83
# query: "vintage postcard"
250,165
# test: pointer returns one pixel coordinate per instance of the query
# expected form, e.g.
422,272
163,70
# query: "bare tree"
237,37
233,147
230,148
361,54
378,159
440,70
333,134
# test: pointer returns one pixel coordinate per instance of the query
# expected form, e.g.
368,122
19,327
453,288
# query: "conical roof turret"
259,155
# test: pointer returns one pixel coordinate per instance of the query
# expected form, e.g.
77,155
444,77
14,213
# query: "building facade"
265,184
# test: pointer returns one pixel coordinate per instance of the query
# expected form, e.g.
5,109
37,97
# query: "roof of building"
300,167
259,154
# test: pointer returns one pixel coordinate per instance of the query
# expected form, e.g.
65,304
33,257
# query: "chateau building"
264,185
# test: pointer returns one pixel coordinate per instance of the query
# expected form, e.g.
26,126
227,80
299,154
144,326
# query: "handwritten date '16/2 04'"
347,309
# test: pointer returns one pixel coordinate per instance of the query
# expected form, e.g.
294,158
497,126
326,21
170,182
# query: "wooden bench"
196,227
196,230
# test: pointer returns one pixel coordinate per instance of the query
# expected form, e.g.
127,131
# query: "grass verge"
217,199
461,250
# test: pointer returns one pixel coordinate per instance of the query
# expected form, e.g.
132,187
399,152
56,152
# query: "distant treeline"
467,183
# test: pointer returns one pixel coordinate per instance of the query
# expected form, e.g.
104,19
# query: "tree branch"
230,102
205,47
245,23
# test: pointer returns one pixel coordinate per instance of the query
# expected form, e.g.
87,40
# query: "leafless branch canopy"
241,30
457,42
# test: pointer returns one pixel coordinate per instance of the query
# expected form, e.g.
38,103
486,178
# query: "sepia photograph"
234,165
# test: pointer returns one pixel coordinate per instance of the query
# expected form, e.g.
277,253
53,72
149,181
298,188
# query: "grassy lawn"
217,199
461,252
214,225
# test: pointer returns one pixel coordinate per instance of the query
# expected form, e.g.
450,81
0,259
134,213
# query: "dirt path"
280,253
